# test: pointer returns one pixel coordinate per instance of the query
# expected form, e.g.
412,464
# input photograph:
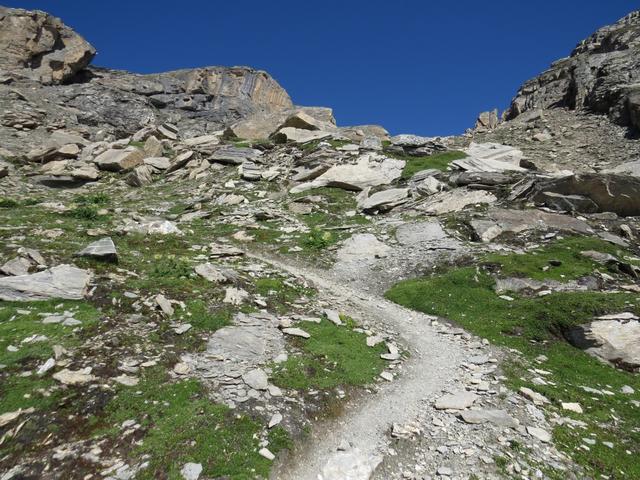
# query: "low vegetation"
535,326
182,425
334,356
438,161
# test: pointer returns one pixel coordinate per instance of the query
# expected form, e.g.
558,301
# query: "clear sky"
412,66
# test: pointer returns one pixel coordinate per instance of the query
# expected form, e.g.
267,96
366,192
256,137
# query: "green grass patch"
334,356
535,326
561,260
24,392
182,425
439,161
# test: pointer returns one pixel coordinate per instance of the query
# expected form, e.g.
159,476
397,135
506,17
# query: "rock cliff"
602,75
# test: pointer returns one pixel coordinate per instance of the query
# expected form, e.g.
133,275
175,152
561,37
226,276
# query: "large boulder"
591,192
115,160
63,281
39,46
369,171
613,340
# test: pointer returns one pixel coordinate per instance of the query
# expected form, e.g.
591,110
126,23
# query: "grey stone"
385,200
103,249
616,341
63,281
234,155
191,471
256,378
117,160
497,417
39,46
456,401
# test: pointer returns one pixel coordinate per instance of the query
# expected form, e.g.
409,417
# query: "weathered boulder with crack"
590,193
600,76
613,340
64,281
39,46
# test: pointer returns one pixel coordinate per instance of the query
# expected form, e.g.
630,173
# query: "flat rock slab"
64,281
350,465
497,417
255,340
615,341
422,233
362,246
500,220
456,401
104,249
367,172
454,201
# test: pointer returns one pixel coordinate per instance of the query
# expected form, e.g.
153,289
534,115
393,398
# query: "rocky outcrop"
39,46
600,76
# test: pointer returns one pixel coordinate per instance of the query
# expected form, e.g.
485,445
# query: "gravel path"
433,363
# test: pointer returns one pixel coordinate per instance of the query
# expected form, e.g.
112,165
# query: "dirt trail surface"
360,433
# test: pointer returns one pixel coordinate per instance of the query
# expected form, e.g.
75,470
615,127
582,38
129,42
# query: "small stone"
46,366
266,453
572,407
296,332
627,390
191,471
387,376
445,471
71,377
165,305
127,380
456,401
182,328
333,316
181,368
539,433
535,397
275,419
256,379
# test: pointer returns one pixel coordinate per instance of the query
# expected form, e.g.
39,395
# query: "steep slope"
602,75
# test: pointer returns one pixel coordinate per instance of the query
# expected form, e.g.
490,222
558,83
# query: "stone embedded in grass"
191,471
164,304
333,316
266,453
7,418
296,332
127,380
63,281
77,377
535,397
46,366
103,249
539,433
235,296
182,328
213,273
572,407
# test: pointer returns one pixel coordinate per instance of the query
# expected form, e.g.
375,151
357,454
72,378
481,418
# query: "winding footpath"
349,447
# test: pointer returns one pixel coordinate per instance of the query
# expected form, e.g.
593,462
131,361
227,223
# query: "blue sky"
412,66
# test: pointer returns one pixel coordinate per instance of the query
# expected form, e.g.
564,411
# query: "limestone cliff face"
40,46
47,59
602,75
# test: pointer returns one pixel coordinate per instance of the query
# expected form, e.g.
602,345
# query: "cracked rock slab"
64,281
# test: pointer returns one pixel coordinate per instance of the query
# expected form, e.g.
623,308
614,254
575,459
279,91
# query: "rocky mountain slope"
201,280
